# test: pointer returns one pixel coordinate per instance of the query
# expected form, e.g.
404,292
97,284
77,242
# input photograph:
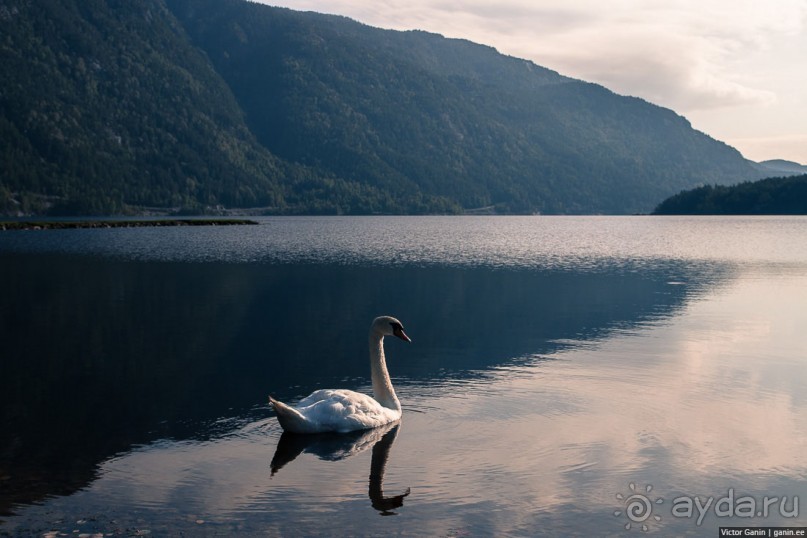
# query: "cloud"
681,72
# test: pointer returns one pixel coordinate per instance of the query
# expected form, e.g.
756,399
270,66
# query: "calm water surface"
566,374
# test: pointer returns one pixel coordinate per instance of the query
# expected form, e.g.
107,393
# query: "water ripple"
528,242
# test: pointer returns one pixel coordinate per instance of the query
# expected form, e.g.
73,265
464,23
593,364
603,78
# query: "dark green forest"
201,106
105,104
772,196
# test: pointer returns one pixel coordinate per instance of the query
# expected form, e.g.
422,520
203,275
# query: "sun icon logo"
638,507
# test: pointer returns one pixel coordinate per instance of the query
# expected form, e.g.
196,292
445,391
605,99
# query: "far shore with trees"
772,196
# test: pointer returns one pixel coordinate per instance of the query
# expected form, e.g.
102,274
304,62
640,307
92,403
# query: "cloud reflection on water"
693,405
553,391
696,403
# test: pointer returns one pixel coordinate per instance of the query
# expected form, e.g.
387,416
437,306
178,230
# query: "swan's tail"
290,419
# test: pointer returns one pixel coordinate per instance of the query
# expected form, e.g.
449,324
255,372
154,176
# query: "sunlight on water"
559,242
626,356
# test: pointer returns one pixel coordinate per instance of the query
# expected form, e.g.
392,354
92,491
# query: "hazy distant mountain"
772,196
198,103
781,166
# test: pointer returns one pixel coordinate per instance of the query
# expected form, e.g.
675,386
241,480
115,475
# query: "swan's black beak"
398,331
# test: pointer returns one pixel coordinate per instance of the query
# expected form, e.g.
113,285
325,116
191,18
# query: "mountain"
771,196
414,110
114,106
108,108
781,166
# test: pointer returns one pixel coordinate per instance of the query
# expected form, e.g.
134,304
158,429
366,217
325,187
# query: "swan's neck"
382,385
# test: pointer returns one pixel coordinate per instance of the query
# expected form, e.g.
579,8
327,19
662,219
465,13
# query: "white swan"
340,410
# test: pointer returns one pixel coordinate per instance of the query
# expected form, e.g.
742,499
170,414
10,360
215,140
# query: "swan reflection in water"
334,447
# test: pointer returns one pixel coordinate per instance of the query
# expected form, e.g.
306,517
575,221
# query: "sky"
736,69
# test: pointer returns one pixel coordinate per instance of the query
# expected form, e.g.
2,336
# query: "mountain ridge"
209,103
783,166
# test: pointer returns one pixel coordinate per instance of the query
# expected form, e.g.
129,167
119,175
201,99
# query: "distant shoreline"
67,225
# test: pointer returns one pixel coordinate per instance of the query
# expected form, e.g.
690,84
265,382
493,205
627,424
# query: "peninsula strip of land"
64,225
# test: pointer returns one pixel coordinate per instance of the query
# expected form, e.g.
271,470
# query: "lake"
567,376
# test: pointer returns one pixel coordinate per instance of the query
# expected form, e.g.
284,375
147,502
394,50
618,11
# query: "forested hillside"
108,108
772,196
106,103
448,117
111,106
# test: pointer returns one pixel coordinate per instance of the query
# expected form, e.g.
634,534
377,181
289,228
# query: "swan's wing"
347,398
344,410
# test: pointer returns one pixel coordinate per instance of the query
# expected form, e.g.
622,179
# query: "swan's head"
389,326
